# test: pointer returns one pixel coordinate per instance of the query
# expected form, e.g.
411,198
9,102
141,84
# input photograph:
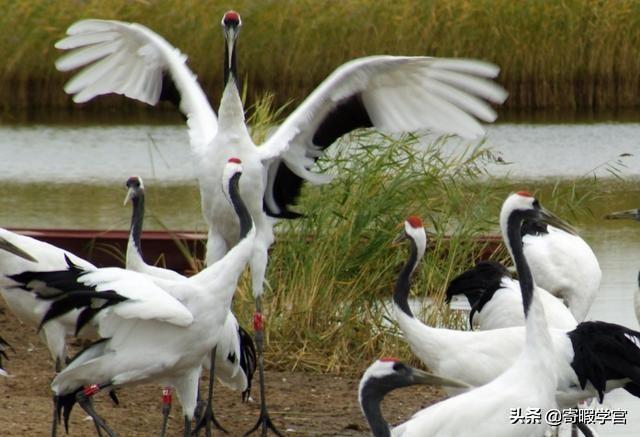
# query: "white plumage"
496,300
563,264
229,372
530,381
24,304
391,93
155,330
583,367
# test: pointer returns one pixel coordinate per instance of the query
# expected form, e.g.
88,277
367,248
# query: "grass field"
578,54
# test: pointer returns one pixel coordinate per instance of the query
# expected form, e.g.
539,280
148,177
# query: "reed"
554,54
331,274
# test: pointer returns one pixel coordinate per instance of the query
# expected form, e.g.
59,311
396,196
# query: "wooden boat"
181,251
178,250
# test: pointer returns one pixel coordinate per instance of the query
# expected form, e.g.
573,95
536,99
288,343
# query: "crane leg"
84,400
187,426
264,421
166,409
208,417
54,423
584,429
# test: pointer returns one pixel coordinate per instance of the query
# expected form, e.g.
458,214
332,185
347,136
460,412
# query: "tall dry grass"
553,54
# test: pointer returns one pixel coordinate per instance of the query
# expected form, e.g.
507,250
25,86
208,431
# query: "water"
73,177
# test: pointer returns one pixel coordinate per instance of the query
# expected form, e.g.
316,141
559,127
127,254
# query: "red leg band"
90,390
166,396
258,322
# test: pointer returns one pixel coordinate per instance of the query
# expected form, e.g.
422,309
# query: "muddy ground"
300,403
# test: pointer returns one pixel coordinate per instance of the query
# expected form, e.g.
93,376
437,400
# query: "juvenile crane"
391,93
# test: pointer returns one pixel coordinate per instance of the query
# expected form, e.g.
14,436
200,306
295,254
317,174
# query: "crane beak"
551,219
231,33
402,236
633,214
128,197
12,248
426,378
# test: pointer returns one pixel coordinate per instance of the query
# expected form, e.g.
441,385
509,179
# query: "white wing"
145,300
393,94
130,59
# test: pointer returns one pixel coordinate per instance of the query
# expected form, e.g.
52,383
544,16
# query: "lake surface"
73,177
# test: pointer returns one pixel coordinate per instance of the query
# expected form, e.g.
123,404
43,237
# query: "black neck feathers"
524,273
371,396
137,219
239,206
533,227
403,283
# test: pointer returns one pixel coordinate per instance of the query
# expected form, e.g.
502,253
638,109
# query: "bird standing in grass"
529,382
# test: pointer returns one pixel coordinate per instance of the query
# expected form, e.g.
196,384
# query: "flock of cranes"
532,347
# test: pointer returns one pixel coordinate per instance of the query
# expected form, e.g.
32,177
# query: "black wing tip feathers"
248,359
606,351
64,404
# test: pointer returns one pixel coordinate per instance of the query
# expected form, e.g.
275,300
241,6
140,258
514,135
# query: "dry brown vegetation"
553,54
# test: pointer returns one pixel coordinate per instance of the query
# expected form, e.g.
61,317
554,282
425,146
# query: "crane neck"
538,339
246,223
231,112
370,399
134,245
229,268
403,283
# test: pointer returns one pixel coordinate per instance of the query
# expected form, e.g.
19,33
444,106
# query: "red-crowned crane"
529,382
234,360
590,360
153,330
383,376
391,93
41,257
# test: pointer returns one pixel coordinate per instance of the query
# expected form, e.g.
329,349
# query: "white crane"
151,332
496,300
391,93
632,214
234,353
16,269
590,360
563,264
385,375
529,382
